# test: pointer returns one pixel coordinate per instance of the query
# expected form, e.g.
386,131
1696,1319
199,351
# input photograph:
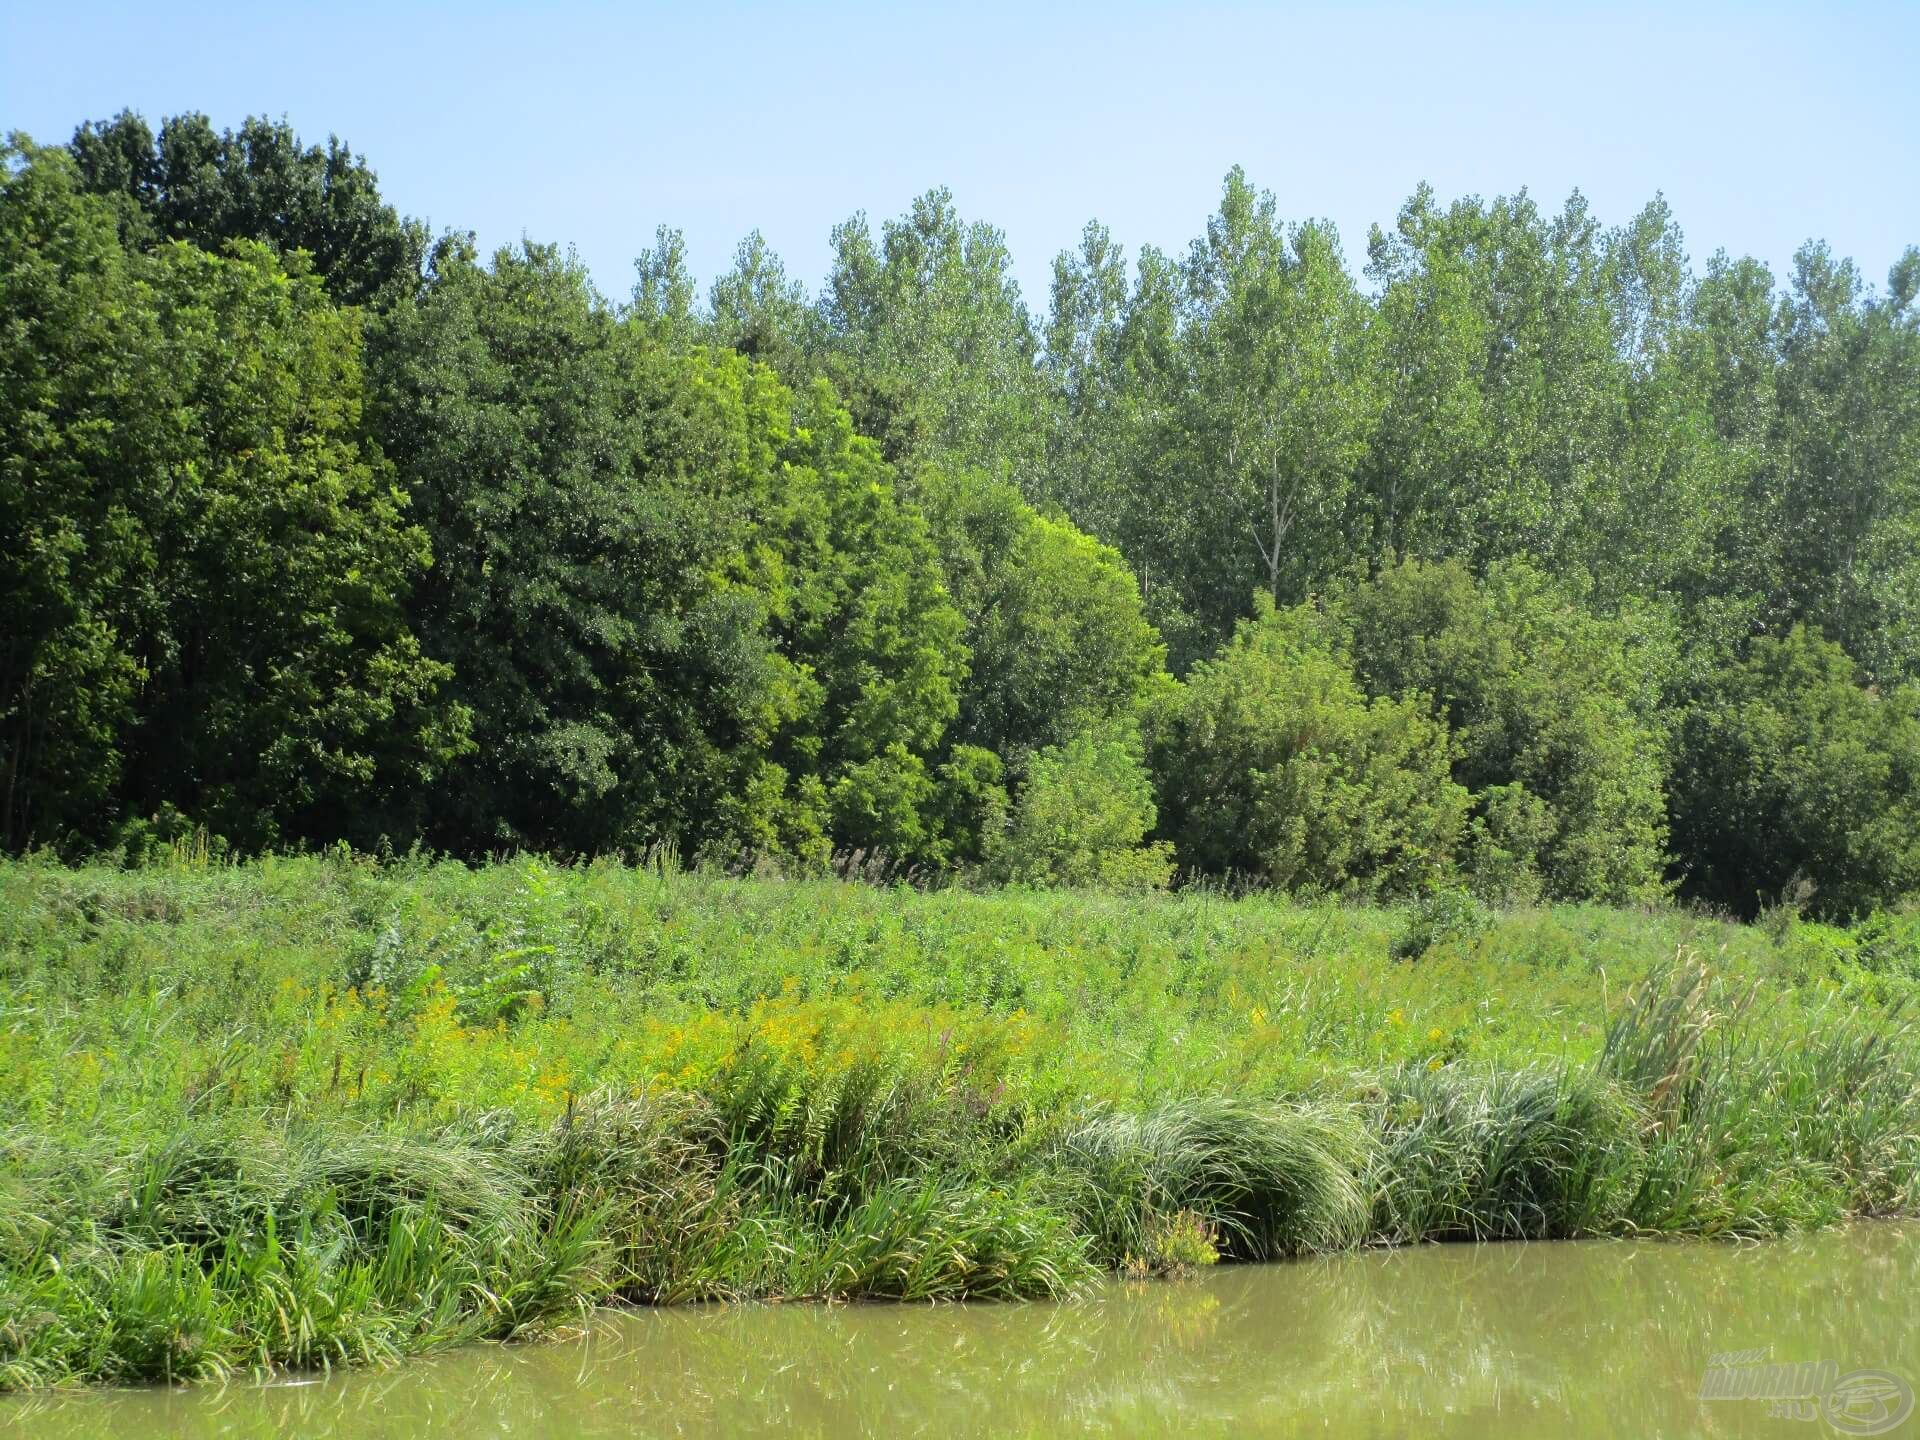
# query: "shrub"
1792,770
1556,715
1272,763
1443,915
1082,820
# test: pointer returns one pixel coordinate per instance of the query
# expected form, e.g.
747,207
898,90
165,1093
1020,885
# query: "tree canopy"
1527,557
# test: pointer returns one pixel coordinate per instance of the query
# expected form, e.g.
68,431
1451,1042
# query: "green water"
1586,1339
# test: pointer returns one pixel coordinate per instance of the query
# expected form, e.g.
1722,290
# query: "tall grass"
316,1112
1267,1179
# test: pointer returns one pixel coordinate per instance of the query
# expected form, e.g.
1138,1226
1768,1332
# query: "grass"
317,1111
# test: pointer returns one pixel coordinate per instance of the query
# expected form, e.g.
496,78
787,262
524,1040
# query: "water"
1588,1339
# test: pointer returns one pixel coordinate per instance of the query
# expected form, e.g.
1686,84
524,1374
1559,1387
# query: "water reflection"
1590,1339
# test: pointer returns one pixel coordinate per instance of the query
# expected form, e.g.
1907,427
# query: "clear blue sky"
1763,124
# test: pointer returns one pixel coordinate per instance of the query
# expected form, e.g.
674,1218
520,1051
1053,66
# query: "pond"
1593,1338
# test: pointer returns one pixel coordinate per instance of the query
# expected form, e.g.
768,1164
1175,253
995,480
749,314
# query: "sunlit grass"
313,1112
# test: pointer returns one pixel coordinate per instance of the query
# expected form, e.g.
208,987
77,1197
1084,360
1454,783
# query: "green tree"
1083,817
573,479
1115,368
1280,402
674,611
663,290
1212,424
81,391
757,310
213,568
1058,640
872,626
1845,486
286,696
1434,341
927,340
256,183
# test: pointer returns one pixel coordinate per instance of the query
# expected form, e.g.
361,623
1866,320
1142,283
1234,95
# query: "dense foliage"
320,1110
1580,573
1277,766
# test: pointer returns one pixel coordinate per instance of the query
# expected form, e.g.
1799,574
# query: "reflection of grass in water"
1373,1343
219,1156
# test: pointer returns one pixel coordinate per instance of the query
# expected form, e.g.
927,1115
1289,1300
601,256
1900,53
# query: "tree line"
1527,559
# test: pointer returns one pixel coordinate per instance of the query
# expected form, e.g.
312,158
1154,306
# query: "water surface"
1594,1338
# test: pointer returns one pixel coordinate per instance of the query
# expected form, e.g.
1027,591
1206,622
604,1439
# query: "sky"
1763,125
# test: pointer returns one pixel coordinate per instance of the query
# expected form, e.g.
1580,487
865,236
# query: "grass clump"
1468,1153
1264,1179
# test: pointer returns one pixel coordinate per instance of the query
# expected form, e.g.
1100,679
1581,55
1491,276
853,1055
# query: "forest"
1516,556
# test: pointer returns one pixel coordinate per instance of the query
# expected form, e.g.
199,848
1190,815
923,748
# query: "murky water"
1589,1339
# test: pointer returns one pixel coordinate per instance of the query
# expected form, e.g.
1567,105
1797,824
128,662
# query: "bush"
1443,915
1791,771
1556,713
1889,943
1082,819
1272,763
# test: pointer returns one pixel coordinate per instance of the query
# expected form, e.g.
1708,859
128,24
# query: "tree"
214,568
1058,640
758,311
1114,462
571,480
1434,340
674,611
257,183
663,290
1085,362
286,695
927,340
1281,397
872,625
80,390
1846,481
1213,427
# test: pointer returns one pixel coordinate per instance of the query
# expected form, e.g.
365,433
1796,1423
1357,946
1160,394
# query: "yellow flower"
1436,1035
1396,1017
1256,1016
1435,1063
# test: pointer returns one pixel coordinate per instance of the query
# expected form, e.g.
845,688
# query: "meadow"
317,1110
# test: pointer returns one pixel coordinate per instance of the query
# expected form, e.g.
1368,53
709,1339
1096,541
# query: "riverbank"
321,1111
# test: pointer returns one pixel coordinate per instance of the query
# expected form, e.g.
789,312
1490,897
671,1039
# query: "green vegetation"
1537,566
1426,617
317,1110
